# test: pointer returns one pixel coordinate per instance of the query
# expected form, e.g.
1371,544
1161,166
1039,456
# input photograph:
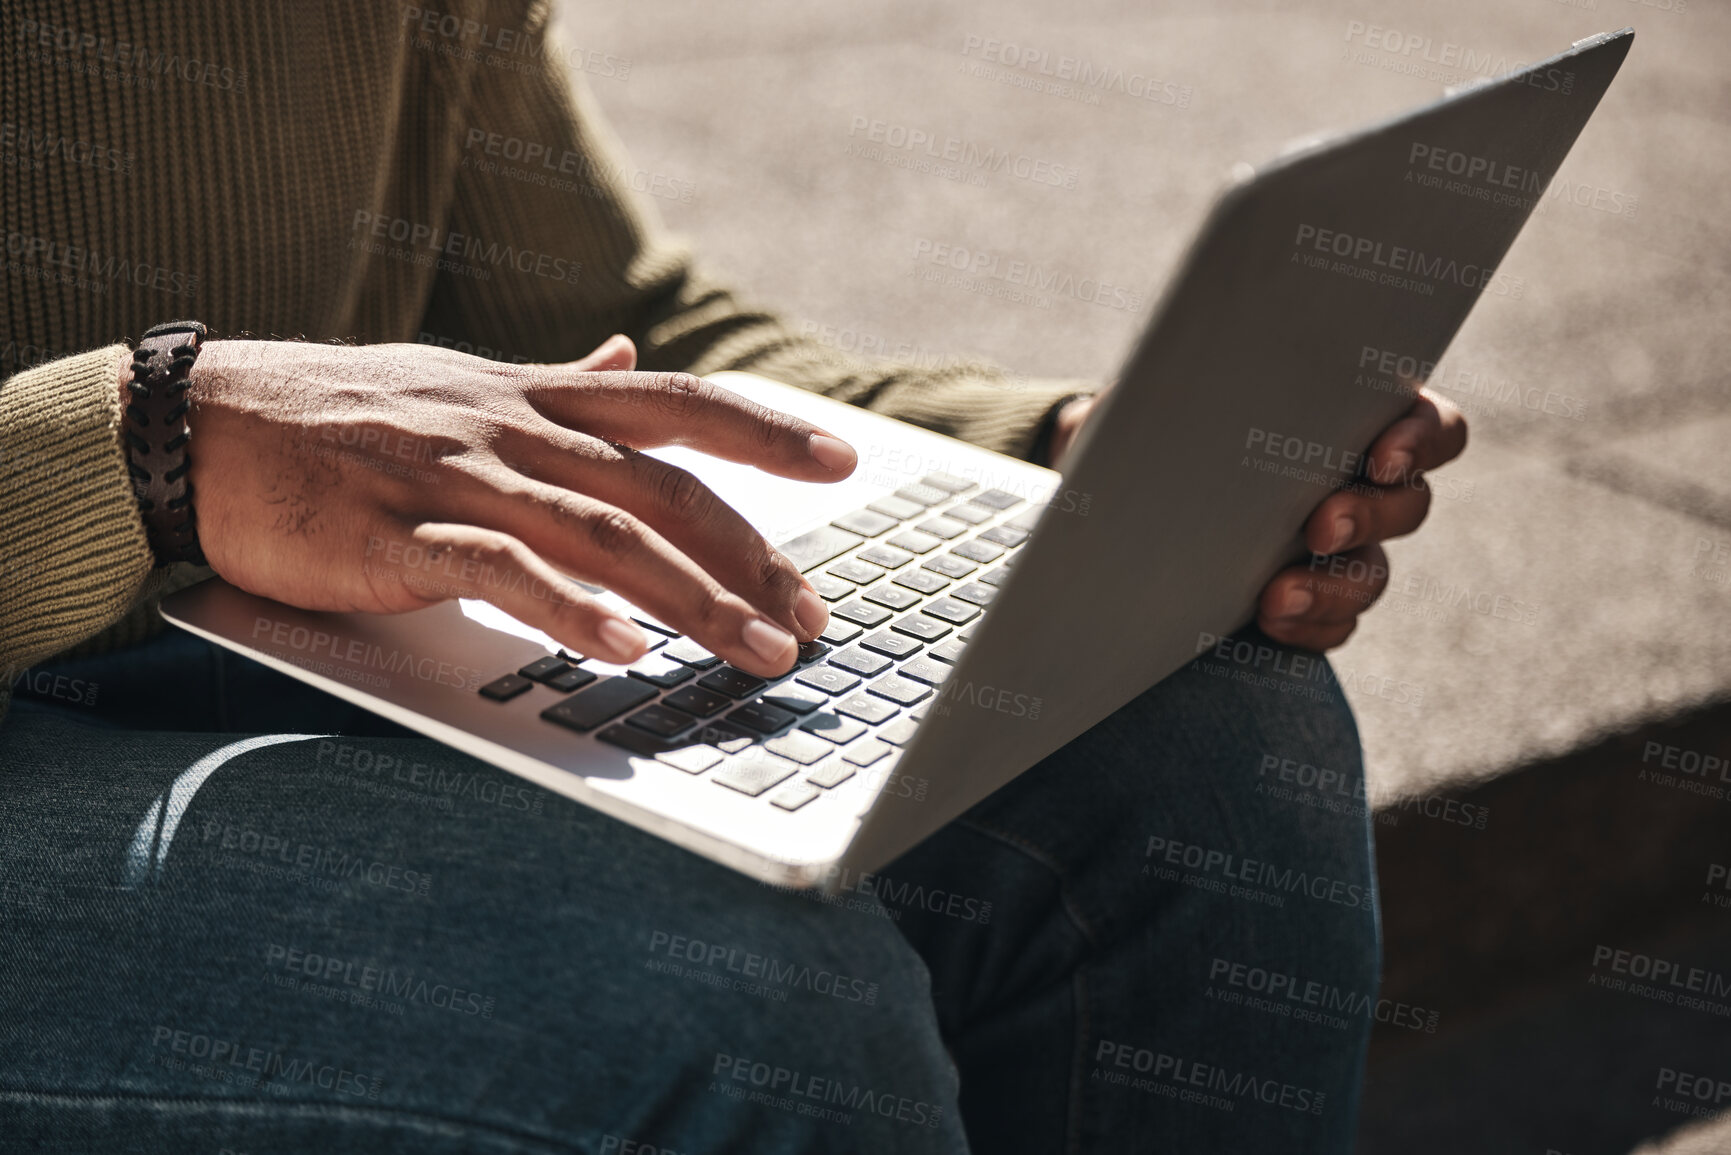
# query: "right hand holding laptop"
386,478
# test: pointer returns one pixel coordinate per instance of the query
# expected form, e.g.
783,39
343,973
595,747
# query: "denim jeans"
330,935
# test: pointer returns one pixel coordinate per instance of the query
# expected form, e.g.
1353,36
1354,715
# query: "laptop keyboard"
905,577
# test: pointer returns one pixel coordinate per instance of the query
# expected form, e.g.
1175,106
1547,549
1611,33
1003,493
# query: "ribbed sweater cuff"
75,554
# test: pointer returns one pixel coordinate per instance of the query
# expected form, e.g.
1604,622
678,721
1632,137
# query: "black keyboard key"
922,580
894,596
950,610
574,678
699,701
833,774
886,556
866,708
691,759
810,550
833,727
506,688
829,679
543,668
792,696
734,683
947,528
810,652
922,494
724,735
755,772
902,691
996,499
976,593
640,742
900,732
950,651
1004,535
660,671
949,565
687,651
801,748
856,571
857,661
840,633
914,541
862,613
996,577
602,702
925,670
972,514
977,550
897,507
892,644
860,754
921,627
828,588
794,795
948,482
661,721
762,717
865,522
656,626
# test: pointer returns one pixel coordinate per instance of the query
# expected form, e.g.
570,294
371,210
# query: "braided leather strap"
155,435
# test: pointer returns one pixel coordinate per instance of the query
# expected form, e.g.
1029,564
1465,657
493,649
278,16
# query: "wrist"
154,437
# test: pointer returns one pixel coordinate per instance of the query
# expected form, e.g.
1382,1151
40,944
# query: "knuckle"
683,496
612,532
678,394
712,608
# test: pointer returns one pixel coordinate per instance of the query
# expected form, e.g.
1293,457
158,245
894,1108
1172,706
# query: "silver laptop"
986,611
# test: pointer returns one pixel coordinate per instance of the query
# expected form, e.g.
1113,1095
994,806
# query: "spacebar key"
810,550
605,700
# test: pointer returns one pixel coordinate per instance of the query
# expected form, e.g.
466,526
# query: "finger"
470,562
680,508
1311,602
1432,433
606,545
644,410
616,354
1361,514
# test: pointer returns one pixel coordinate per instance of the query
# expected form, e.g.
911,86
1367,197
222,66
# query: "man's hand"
385,478
1317,606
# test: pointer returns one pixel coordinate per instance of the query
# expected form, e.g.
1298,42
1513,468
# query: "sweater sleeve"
539,170
73,552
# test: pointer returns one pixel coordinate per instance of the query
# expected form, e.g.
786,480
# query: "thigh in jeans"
377,944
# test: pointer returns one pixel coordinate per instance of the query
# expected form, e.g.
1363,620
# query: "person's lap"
364,942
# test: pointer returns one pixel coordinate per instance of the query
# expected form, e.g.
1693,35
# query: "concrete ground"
1596,492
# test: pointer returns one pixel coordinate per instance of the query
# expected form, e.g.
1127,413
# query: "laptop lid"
1321,290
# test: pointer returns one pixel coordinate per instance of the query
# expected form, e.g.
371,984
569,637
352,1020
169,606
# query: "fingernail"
623,639
767,641
1295,603
812,614
832,453
1344,528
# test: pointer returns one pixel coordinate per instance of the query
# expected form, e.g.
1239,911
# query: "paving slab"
1595,398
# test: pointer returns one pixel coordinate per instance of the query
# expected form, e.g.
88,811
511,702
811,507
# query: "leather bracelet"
155,433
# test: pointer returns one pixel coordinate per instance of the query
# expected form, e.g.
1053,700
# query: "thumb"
615,355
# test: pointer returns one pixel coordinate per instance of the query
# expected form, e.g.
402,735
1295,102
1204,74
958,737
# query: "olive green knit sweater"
326,170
